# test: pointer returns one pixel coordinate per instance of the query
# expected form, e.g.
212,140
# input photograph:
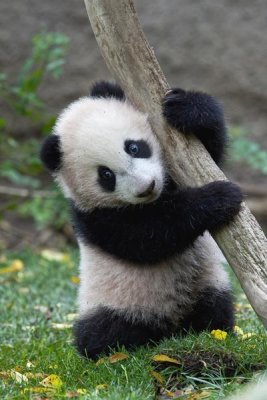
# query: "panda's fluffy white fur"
148,266
92,133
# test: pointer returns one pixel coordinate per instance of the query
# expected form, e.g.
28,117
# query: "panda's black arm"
151,233
200,114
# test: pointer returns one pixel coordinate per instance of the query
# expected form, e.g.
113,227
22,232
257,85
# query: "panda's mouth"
149,190
150,198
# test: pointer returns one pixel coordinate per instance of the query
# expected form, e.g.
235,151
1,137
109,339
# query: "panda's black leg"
213,310
106,329
200,114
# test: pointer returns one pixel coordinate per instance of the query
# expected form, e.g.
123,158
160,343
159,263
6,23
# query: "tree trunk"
132,62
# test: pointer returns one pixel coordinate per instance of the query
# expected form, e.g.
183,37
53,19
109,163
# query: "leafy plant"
247,151
49,210
20,164
47,57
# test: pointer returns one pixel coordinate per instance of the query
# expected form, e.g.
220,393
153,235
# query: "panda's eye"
105,173
137,148
133,149
106,178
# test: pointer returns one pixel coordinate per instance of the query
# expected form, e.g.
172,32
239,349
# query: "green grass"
42,294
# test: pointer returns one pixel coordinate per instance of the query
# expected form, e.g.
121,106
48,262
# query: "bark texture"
133,64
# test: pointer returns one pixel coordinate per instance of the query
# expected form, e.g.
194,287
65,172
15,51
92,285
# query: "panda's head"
103,153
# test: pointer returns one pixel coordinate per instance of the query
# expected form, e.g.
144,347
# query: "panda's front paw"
225,200
193,112
173,104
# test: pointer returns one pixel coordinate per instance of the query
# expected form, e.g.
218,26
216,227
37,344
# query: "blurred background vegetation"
32,210
25,193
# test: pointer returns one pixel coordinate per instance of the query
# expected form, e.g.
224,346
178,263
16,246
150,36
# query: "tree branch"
24,192
132,62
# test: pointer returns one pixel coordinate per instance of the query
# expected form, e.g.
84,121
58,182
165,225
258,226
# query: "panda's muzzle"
148,191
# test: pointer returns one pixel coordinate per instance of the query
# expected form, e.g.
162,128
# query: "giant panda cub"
149,268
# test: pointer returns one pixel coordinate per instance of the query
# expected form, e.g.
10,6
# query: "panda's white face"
110,157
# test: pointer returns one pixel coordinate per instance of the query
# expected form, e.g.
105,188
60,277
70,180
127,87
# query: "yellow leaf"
218,334
239,306
117,357
71,316
18,377
24,290
159,378
35,375
168,393
163,358
71,394
203,394
4,375
81,391
75,280
53,255
36,389
101,361
248,336
53,366
52,381
238,330
101,386
15,266
56,325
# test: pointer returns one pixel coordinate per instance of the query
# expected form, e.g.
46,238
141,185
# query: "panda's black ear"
107,89
51,154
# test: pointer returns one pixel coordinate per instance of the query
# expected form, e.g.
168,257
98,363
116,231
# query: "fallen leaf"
18,377
4,375
56,325
247,336
101,361
15,266
81,391
70,395
37,389
101,386
117,357
238,330
163,358
203,394
159,378
52,381
218,334
53,255
71,316
53,366
35,375
164,393
239,306
75,280
24,290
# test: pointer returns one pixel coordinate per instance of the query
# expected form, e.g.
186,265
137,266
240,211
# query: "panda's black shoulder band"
50,153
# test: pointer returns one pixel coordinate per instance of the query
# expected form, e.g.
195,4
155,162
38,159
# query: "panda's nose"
148,191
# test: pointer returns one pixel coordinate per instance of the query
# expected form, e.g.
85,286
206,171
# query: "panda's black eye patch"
106,178
137,148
